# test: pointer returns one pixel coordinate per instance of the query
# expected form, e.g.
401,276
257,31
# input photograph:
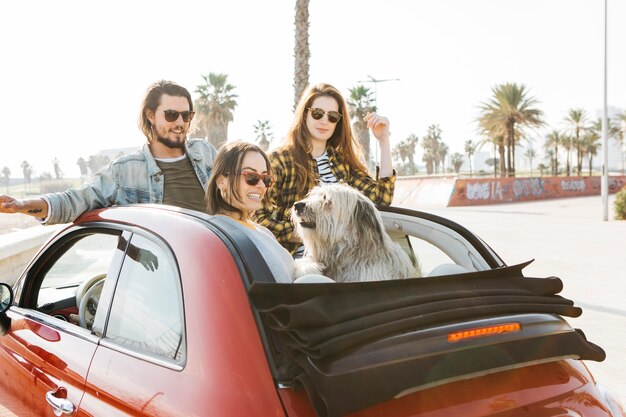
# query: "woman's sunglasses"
333,116
252,178
172,115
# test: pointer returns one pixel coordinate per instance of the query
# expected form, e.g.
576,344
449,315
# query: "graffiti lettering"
479,191
486,191
616,184
527,187
496,190
573,185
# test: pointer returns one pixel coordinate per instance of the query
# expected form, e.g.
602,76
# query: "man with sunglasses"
168,169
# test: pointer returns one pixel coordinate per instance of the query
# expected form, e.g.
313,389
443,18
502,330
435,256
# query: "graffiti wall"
469,192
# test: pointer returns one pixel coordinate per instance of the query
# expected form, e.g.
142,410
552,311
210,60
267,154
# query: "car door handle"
59,405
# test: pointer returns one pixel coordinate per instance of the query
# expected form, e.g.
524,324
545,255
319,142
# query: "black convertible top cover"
352,345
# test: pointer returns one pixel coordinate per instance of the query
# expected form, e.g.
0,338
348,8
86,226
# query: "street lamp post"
605,140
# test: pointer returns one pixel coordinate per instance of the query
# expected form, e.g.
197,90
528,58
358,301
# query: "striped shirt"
323,168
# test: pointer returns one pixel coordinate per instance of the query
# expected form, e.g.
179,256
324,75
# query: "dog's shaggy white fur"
345,239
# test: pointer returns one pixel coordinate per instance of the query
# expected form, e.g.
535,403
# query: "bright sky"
74,71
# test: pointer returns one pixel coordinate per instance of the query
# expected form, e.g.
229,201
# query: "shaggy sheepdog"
345,239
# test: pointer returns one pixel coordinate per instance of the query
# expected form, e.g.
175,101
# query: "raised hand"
379,126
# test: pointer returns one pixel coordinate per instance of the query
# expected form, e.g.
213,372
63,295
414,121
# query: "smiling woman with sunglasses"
320,147
240,179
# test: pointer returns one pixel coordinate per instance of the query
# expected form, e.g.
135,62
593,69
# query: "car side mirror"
6,299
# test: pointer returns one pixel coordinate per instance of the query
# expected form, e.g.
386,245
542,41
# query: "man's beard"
170,143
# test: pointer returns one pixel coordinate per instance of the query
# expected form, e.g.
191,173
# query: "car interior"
69,290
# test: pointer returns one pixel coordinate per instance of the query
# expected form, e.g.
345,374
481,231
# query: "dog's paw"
305,266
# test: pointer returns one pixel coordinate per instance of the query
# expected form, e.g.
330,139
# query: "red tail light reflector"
484,331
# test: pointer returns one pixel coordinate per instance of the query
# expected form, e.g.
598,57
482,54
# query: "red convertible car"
158,311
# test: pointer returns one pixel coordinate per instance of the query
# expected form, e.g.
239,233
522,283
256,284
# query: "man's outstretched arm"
36,207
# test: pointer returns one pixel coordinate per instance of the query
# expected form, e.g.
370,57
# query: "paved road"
567,238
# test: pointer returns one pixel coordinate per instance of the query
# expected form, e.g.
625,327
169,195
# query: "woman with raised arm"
321,148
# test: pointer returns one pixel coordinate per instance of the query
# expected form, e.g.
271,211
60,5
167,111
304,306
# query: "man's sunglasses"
252,178
172,115
333,116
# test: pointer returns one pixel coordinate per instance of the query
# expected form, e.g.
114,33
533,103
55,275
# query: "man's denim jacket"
133,178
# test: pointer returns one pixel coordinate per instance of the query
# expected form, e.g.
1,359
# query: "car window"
147,310
430,256
424,255
434,248
83,264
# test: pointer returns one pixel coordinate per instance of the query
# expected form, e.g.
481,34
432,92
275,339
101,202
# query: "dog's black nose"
299,206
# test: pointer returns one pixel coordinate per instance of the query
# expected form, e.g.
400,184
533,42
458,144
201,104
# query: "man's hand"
9,204
148,260
36,207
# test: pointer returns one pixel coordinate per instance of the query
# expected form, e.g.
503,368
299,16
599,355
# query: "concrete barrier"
471,192
450,191
423,191
18,248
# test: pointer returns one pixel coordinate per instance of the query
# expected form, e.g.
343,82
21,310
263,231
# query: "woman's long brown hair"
298,140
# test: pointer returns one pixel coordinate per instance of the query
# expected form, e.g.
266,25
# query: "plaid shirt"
276,210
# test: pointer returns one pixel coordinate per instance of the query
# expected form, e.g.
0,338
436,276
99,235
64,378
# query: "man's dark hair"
152,99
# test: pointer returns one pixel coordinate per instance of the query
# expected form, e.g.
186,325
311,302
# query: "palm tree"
301,50
553,140
530,154
470,149
215,107
542,168
456,159
400,152
620,134
429,159
567,142
6,175
509,110
360,103
431,144
498,149
263,134
411,144
576,124
590,145
27,170
82,165
494,163
441,157
58,173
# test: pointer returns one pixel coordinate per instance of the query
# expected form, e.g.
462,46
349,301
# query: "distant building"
113,154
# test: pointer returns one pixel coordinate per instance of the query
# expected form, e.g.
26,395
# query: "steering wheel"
85,285
89,305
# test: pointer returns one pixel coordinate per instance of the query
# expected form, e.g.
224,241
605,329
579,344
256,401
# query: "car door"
136,371
45,355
